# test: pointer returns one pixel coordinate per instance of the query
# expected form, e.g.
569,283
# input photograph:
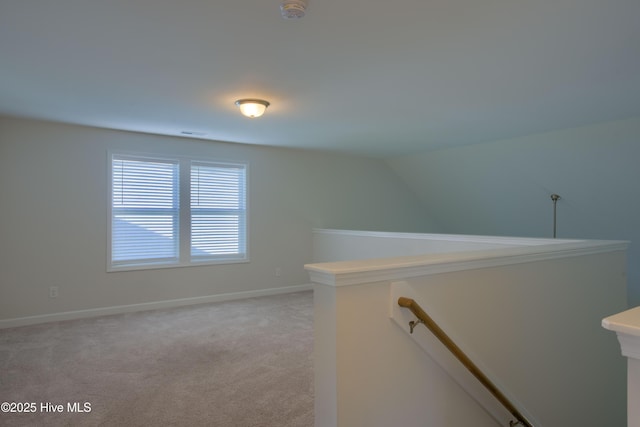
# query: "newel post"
627,326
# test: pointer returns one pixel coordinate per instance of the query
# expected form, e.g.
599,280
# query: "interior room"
453,117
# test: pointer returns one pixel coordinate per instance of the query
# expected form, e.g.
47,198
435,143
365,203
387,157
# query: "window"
144,211
173,212
218,214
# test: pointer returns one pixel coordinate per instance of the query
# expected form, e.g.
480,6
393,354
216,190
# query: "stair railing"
425,319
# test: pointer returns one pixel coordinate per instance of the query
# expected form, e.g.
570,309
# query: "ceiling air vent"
192,133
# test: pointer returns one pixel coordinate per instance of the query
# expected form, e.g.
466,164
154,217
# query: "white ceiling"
372,77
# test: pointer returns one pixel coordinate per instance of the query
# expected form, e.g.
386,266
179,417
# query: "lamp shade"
252,107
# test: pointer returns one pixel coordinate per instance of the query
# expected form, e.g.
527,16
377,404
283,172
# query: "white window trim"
184,218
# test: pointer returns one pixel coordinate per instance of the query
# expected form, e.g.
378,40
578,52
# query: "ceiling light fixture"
292,9
252,107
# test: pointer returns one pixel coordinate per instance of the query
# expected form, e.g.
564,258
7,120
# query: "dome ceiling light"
293,9
252,108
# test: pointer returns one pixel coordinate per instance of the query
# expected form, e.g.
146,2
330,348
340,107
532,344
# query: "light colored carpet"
241,363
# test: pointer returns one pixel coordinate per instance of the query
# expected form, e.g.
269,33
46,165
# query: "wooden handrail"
425,319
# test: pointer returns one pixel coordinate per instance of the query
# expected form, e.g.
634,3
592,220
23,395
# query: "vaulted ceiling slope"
372,77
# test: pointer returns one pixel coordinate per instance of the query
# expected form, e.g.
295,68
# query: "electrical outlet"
278,272
53,292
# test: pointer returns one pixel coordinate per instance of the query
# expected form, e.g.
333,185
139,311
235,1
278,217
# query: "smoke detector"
293,9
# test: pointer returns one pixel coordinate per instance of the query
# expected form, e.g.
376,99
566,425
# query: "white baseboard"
105,311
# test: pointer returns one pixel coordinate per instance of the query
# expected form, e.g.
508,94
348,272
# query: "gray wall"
53,206
504,187
53,216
